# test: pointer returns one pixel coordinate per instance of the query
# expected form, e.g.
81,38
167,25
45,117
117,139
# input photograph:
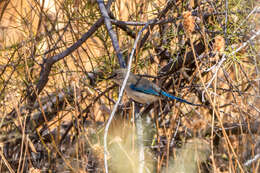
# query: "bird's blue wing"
150,90
144,89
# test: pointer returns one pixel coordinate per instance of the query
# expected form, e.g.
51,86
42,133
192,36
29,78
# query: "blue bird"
142,90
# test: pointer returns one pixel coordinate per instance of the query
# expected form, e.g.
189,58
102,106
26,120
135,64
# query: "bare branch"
111,33
48,63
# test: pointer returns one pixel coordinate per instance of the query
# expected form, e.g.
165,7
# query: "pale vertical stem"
120,95
140,138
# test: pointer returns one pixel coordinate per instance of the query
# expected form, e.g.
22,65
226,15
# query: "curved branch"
48,63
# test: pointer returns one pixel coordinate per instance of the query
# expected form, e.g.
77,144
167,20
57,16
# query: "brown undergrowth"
55,99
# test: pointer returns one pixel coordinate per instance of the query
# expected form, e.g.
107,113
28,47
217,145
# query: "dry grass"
206,52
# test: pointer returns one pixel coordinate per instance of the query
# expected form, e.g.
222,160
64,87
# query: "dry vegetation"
55,99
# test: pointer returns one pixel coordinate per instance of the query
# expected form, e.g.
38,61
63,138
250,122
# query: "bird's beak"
111,76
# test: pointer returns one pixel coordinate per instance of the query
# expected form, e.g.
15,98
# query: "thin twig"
246,19
226,18
215,75
7,164
249,162
159,22
214,108
223,59
162,14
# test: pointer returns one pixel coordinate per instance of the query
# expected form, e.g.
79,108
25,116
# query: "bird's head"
118,75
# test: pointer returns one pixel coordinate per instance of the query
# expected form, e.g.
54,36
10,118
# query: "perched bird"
142,90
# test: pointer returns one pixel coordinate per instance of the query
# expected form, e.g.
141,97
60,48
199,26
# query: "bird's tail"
178,99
